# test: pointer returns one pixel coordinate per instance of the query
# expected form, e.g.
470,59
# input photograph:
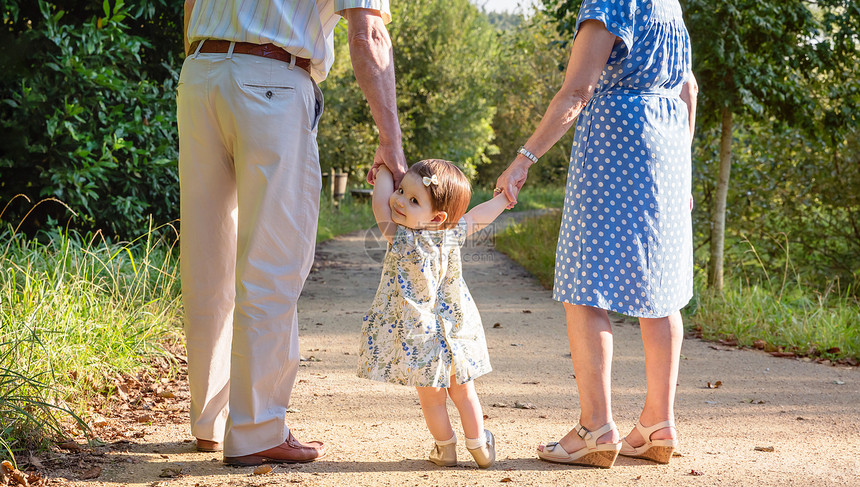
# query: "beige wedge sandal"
659,451
591,455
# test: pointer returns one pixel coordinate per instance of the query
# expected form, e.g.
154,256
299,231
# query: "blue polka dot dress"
625,242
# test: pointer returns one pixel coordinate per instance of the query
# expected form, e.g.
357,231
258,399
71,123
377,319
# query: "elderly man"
248,107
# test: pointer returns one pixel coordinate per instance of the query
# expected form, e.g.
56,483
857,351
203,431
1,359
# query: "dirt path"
807,412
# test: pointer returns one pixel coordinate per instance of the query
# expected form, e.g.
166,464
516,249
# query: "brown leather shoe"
290,451
209,446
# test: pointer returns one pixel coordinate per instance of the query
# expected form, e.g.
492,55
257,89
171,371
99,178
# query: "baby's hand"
371,173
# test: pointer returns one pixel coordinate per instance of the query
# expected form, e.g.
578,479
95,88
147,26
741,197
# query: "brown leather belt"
270,51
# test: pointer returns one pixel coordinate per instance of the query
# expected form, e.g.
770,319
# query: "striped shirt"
302,27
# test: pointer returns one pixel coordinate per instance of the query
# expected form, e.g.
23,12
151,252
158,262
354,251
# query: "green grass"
532,243
790,318
777,317
530,198
74,314
349,215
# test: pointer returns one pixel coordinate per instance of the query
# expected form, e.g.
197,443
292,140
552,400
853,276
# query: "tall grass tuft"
75,313
784,317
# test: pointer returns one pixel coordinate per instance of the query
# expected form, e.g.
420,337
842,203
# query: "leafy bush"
85,123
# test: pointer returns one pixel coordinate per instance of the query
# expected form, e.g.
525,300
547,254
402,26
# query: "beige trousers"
250,183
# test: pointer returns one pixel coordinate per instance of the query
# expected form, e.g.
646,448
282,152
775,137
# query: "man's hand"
391,157
511,181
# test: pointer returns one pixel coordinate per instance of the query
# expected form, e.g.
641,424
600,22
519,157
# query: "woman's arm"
591,49
485,213
689,93
383,188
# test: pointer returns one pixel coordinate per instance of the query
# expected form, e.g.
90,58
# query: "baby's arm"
485,213
383,188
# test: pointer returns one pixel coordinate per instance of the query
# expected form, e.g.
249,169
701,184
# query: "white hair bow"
431,180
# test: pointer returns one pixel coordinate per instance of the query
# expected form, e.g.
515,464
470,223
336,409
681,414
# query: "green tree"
767,60
529,70
443,56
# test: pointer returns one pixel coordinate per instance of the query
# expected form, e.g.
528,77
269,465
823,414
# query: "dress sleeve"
619,17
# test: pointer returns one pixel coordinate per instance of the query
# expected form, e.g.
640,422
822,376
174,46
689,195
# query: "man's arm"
189,6
373,62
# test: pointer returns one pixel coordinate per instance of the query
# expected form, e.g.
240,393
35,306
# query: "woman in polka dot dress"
625,243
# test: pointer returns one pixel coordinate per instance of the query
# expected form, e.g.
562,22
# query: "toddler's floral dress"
423,326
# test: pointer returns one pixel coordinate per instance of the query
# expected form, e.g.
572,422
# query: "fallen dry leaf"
263,470
6,467
783,354
69,445
764,448
506,479
166,395
144,418
715,385
527,311
497,325
677,454
170,472
696,472
34,461
92,473
19,477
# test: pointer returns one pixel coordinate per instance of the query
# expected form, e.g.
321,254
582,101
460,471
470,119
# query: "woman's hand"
511,181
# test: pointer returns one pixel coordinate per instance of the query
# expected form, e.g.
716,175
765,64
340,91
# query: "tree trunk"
718,212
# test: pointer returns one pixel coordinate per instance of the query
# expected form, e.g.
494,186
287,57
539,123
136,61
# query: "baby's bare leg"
466,400
434,406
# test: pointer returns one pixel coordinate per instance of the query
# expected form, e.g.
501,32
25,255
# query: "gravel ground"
804,415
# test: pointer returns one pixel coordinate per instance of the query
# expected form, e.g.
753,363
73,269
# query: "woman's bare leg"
661,339
590,335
